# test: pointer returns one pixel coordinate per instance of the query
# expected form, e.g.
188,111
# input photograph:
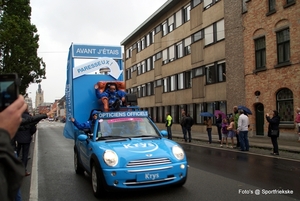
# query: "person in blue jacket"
89,125
111,98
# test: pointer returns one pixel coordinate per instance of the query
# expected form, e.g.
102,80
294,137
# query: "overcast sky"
91,22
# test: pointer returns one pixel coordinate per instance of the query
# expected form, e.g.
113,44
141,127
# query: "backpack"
224,130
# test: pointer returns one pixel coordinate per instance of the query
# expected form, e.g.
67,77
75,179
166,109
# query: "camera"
9,89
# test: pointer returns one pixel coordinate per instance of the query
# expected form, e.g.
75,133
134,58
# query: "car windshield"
127,127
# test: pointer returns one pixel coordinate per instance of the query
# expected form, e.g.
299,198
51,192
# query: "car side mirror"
164,133
82,137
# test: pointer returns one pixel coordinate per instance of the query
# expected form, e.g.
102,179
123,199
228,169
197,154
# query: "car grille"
148,162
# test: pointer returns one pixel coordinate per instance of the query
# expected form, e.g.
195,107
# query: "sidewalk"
263,142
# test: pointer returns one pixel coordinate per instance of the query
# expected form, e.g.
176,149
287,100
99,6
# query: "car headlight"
110,158
178,152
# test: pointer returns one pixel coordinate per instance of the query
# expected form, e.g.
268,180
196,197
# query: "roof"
150,20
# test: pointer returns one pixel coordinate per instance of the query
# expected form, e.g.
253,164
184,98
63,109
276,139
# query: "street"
214,174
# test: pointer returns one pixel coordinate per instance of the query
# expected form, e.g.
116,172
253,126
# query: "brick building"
272,62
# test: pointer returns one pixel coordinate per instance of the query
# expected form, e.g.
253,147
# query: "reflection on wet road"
261,171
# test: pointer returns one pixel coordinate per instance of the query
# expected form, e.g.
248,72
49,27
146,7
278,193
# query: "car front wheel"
78,168
98,188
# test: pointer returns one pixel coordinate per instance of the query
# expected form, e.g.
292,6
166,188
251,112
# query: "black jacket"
23,134
188,122
29,121
11,169
273,124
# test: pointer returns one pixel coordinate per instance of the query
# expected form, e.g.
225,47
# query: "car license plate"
151,176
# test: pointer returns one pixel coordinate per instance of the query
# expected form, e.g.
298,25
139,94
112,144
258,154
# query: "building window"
149,89
209,35
171,53
157,29
171,24
285,108
178,18
148,39
138,44
187,79
214,32
198,72
164,28
220,32
209,3
143,43
152,36
165,57
181,81
149,64
179,50
186,13
197,36
143,66
139,69
283,46
260,52
158,56
173,83
289,3
199,108
272,5
211,74
196,2
187,46
166,84
158,83
221,72
244,6
153,61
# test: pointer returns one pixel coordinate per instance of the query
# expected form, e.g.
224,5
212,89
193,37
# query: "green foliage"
19,43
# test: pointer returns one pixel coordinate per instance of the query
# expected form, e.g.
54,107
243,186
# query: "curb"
250,145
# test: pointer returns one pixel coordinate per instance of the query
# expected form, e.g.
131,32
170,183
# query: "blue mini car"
127,151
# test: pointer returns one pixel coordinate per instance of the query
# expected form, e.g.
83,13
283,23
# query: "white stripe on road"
34,172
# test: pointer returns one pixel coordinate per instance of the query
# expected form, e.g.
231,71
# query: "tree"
19,43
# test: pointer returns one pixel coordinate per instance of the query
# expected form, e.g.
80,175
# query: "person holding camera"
273,130
11,168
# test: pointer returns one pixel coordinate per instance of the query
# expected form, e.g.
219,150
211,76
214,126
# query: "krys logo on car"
141,147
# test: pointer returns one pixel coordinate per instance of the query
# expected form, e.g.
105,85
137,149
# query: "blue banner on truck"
80,92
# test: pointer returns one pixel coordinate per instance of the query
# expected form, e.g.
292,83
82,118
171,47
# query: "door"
260,119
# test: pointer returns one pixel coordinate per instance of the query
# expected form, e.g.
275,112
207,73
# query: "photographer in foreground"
11,168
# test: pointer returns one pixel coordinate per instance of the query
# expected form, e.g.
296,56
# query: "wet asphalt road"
214,174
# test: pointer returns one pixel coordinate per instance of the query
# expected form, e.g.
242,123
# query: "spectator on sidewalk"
11,168
297,120
242,130
219,126
208,124
23,139
231,131
236,118
182,122
273,130
188,123
169,122
224,133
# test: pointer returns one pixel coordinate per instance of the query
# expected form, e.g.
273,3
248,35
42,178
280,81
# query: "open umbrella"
245,109
206,114
217,112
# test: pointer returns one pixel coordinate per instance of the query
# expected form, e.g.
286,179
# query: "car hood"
137,148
